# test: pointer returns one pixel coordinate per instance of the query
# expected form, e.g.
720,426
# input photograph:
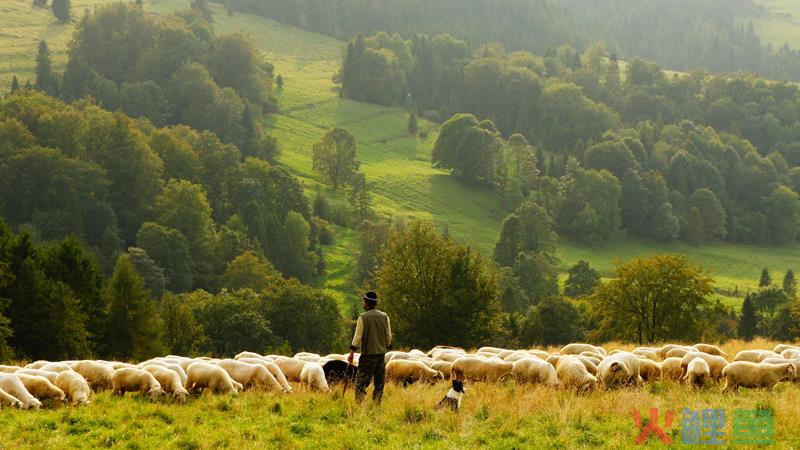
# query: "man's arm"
388,333
356,344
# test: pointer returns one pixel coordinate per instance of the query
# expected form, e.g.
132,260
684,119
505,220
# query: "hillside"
778,22
400,176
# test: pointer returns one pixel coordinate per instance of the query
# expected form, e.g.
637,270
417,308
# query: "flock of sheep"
581,367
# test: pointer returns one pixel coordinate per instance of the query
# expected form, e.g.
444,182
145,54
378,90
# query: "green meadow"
402,182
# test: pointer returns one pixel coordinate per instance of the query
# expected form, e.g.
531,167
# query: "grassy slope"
500,415
401,179
778,22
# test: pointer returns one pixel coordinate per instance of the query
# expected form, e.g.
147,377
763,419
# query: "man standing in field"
373,338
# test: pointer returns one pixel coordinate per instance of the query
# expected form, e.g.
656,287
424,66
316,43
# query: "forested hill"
679,34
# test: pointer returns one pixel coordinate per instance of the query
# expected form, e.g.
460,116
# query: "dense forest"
680,35
697,157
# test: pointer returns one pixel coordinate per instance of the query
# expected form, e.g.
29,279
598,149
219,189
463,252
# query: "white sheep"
129,379
679,352
620,369
671,368
649,370
7,399
749,374
9,369
202,375
481,369
250,375
37,364
51,376
41,388
534,370
97,374
754,355
710,349
12,385
74,386
445,367
313,376
409,371
781,347
573,374
273,369
790,353
56,367
169,380
697,373
715,363
578,348
291,368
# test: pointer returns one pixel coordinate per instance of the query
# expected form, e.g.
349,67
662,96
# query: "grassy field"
778,22
503,415
401,179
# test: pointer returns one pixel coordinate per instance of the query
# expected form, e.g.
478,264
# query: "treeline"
652,134
190,201
169,69
681,35
56,303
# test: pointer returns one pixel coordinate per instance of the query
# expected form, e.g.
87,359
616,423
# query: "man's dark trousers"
369,367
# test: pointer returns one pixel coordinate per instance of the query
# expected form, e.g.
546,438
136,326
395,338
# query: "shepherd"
373,337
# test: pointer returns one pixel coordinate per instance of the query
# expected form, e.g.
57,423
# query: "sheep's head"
155,392
791,371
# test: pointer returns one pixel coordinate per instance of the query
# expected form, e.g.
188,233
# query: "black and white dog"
453,397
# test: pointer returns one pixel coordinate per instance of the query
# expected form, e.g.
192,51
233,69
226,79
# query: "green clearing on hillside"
778,22
401,179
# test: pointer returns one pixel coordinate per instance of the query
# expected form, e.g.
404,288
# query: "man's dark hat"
371,297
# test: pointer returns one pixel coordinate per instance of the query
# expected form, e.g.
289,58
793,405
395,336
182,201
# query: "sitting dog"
453,397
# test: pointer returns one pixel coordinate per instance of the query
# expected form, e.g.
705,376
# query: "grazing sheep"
9,369
590,366
794,362
781,347
116,365
336,357
518,355
754,355
273,369
445,367
790,353
749,374
417,352
678,352
51,376
620,369
449,356
541,354
173,366
291,368
594,355
493,350
41,388
573,374
649,370
534,370
248,355
74,386
408,372
577,349
697,373
646,353
710,349
313,376
481,369
169,380
98,375
671,369
715,363
135,380
56,367
202,375
12,385
37,364
662,352
7,399
250,375
553,360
